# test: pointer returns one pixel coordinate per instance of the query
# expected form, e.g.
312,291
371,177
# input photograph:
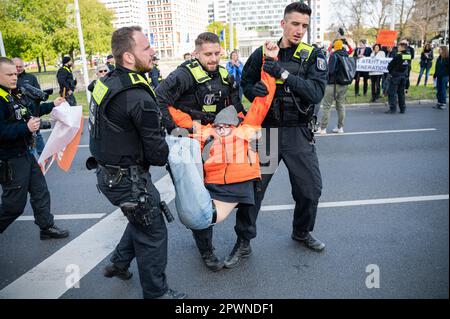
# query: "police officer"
110,63
301,73
126,137
19,172
398,72
201,88
66,81
27,78
155,74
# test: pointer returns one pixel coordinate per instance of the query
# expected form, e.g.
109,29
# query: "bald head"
20,66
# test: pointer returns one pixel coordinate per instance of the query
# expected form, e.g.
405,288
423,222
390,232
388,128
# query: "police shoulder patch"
321,64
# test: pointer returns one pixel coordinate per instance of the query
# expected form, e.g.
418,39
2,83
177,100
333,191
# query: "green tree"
216,27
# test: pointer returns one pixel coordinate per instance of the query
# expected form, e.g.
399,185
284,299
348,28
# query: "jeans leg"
327,102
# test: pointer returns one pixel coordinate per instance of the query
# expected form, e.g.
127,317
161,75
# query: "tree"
355,12
216,27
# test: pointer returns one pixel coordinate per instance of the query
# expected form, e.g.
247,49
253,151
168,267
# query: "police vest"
67,69
285,106
209,94
108,142
14,112
403,67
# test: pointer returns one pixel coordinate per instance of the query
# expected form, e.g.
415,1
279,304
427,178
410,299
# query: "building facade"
128,12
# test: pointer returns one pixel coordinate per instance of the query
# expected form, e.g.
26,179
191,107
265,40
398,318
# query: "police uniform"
398,69
20,172
155,76
126,137
291,113
202,95
66,80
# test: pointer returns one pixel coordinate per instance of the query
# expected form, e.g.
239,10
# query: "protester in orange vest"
230,165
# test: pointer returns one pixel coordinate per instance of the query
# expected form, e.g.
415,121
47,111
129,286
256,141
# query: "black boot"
308,240
242,249
53,232
113,271
211,261
172,294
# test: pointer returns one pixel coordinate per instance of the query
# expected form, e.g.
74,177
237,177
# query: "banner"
372,64
62,143
387,37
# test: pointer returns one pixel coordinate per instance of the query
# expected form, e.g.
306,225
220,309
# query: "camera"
34,93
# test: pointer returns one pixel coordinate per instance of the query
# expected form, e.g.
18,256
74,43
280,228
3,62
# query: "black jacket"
14,134
441,69
334,66
398,66
136,108
24,77
65,79
426,59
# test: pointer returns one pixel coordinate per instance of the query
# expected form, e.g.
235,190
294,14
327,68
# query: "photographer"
19,172
23,79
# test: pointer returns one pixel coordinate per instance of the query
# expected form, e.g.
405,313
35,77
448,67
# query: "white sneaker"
338,130
322,131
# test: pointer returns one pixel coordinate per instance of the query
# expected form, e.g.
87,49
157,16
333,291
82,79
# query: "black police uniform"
66,80
398,70
202,95
291,113
155,76
126,138
23,173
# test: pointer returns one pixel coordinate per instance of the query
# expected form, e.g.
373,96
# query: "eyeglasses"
103,71
222,126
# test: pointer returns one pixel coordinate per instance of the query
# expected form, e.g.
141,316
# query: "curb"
385,103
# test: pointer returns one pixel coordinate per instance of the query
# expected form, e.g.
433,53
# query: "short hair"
363,41
376,45
122,41
299,7
206,37
5,60
403,44
186,54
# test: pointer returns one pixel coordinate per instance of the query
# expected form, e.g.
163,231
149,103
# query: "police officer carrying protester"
398,72
19,172
126,137
201,88
301,73
66,81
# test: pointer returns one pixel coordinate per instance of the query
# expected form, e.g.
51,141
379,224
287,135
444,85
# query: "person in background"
388,52
235,67
426,61
187,56
375,77
398,70
102,70
362,51
409,50
66,81
441,76
155,74
110,63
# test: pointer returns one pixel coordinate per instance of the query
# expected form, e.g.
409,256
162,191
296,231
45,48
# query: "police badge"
321,64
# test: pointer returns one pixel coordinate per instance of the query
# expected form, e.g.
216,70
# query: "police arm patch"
321,64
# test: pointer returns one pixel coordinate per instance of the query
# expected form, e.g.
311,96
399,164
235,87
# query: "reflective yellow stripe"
139,79
4,95
100,91
279,81
303,46
406,56
210,108
68,70
197,72
223,74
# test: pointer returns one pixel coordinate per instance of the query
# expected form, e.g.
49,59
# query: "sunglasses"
103,71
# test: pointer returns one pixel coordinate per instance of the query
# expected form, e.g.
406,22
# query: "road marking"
377,132
66,217
378,201
48,279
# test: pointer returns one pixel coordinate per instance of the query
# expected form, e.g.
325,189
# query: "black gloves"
273,68
259,89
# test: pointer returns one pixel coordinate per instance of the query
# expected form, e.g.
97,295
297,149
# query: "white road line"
378,201
378,132
48,279
66,217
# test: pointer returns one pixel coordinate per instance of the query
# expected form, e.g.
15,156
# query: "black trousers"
71,99
397,91
203,239
300,158
376,86
148,244
365,76
27,178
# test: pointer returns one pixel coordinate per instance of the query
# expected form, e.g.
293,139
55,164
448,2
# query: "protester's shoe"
322,131
441,106
173,294
308,240
211,261
54,232
241,249
389,112
338,130
113,271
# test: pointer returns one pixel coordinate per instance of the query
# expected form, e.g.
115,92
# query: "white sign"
373,65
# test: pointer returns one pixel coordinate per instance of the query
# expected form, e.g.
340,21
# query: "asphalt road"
377,208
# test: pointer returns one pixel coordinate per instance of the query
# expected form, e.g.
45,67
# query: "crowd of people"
194,122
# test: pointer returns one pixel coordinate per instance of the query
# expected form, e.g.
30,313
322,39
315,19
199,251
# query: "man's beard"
141,66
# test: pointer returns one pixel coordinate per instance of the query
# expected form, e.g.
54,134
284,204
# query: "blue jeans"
427,73
192,199
442,89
